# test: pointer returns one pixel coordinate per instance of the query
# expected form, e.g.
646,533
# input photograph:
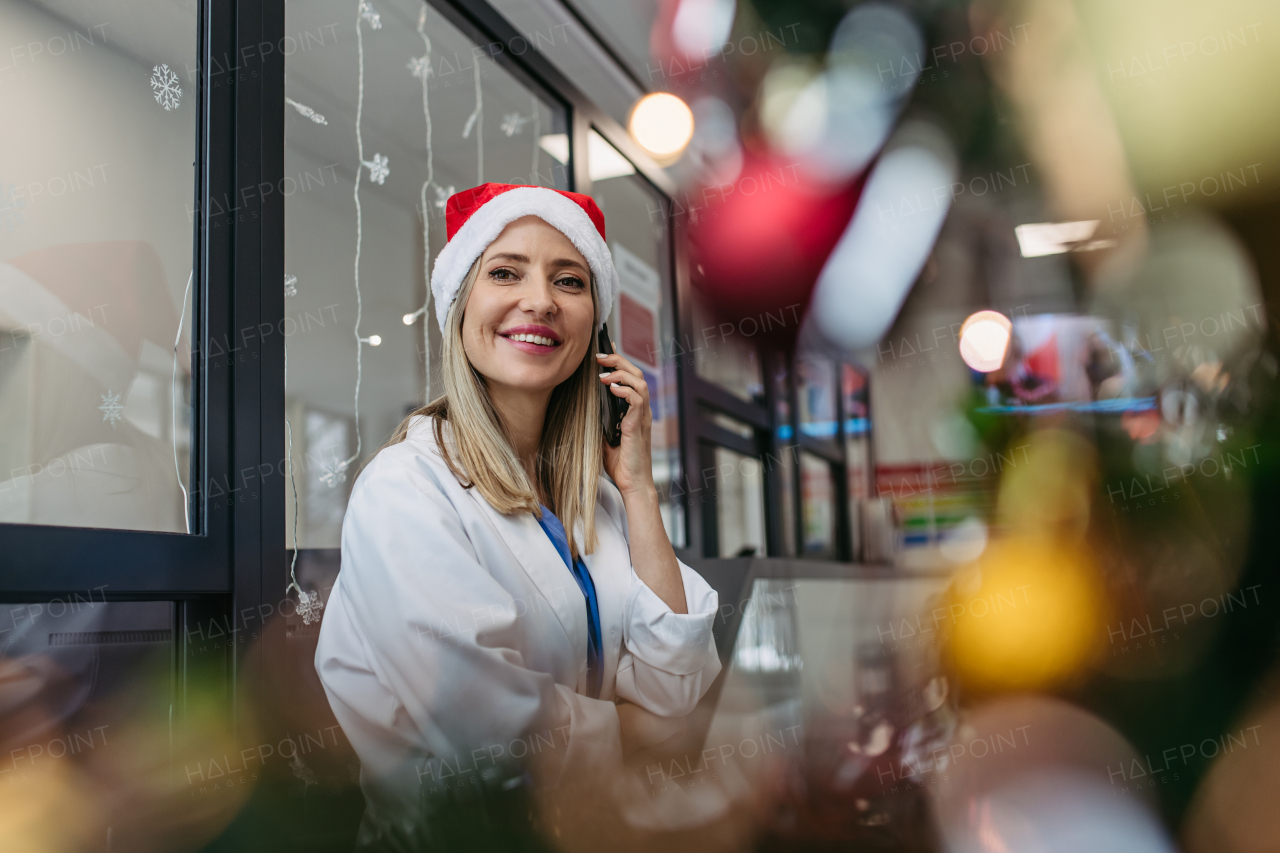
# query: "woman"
499,599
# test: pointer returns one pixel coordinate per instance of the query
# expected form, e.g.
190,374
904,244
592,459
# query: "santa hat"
474,218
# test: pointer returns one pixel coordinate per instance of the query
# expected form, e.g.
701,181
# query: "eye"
502,274
572,281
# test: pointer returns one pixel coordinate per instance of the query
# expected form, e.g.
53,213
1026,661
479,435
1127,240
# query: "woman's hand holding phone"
630,464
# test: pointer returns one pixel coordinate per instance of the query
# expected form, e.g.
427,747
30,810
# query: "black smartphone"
617,406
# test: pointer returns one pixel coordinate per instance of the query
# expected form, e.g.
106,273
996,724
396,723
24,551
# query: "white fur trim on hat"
483,227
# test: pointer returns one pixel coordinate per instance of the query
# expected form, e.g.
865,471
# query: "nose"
539,296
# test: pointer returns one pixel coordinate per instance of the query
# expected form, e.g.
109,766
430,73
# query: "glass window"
785,461
642,314
817,397
97,214
739,486
729,359
368,168
726,422
817,498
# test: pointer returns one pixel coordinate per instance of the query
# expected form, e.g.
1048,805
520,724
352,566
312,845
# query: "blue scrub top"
555,532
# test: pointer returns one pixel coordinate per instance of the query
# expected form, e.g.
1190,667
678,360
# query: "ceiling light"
1037,239
603,160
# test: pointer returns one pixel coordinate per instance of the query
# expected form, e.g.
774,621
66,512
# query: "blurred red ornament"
759,243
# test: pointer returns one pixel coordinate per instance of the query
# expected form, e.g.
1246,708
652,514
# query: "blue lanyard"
555,532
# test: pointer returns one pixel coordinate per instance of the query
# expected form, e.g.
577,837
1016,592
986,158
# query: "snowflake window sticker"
112,409
290,285
335,475
378,168
513,123
164,83
419,67
305,110
367,12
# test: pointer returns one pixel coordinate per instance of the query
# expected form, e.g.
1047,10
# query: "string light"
475,121
426,212
173,403
363,12
537,135
305,110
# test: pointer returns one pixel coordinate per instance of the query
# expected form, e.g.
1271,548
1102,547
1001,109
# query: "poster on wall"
638,304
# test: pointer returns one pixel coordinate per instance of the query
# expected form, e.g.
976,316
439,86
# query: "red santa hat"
474,218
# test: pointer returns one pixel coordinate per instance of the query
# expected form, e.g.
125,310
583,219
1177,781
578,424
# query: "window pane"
817,495
739,504
427,128
733,425
725,356
642,314
786,463
96,224
817,396
786,468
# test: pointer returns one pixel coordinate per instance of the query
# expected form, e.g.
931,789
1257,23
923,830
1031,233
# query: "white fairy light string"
537,134
173,403
309,604
476,121
305,110
426,212
378,171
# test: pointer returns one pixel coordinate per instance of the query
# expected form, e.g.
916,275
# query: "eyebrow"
559,263
511,256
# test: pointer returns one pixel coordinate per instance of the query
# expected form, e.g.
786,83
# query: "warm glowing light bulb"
661,124
408,319
984,340
375,340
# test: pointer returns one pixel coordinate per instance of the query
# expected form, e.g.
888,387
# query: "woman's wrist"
640,497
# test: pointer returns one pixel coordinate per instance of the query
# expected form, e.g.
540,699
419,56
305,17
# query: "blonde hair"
570,451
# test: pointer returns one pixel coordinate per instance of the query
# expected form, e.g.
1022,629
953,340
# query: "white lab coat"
456,636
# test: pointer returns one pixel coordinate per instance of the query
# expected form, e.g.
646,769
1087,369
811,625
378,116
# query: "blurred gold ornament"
1026,615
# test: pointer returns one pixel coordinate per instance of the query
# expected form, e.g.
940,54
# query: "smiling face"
530,316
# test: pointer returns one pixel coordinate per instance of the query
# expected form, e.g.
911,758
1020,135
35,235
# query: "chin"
535,379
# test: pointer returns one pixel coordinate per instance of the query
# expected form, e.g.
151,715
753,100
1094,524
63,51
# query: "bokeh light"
661,124
984,340
1026,615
